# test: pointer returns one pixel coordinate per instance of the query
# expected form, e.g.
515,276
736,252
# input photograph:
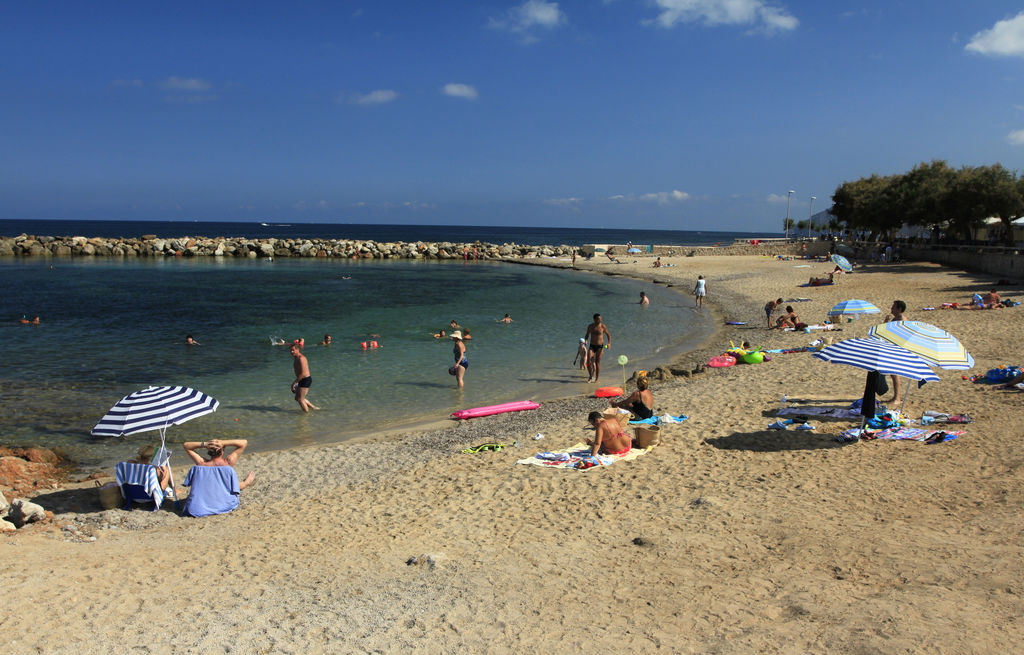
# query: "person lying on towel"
609,438
214,484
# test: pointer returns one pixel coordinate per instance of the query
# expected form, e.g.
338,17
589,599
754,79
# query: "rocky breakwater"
150,245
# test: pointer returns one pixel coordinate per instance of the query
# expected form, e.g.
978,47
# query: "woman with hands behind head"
217,456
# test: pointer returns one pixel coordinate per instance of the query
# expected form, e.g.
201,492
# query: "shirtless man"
609,439
595,335
895,314
644,300
215,450
507,319
303,380
991,300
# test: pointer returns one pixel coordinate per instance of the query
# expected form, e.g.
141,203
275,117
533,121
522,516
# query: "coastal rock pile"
150,245
26,470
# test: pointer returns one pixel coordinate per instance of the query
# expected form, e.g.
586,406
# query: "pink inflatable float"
721,361
516,406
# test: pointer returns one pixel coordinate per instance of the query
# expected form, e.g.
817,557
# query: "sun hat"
456,334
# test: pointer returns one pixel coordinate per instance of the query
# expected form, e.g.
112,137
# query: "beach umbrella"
842,262
873,354
154,408
930,343
854,309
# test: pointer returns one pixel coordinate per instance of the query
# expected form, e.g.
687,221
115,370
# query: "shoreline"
729,537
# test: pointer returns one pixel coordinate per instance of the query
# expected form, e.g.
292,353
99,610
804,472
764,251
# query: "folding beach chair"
139,484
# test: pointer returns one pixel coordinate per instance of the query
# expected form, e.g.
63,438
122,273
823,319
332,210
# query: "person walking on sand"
596,332
770,307
303,380
700,290
461,362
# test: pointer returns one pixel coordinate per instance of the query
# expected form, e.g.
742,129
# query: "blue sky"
672,114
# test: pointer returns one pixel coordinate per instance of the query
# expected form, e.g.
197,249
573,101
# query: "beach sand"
726,538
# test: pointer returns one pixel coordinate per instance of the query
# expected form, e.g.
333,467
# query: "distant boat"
265,224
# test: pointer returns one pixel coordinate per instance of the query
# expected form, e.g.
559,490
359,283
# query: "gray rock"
23,511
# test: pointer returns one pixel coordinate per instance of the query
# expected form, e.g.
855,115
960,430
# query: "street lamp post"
810,212
788,197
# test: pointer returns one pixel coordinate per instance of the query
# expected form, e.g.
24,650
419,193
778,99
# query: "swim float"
516,406
607,392
721,361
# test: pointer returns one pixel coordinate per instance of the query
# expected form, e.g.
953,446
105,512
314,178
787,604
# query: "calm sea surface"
454,233
111,326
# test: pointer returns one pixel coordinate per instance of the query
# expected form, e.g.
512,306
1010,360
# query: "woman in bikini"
640,402
609,438
461,363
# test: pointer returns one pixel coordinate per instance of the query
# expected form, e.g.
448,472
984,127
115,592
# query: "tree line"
933,196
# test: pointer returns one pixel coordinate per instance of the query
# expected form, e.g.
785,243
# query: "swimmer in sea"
303,380
326,341
507,319
644,300
189,341
439,335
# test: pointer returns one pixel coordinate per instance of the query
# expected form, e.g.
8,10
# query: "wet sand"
726,538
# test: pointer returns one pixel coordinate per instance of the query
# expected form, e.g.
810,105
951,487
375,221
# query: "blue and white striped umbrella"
854,308
842,262
876,355
154,408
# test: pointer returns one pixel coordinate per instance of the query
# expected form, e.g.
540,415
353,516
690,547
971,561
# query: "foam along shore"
728,537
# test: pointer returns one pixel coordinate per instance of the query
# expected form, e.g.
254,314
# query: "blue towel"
215,490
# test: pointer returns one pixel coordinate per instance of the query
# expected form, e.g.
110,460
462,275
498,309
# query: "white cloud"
563,202
135,83
754,13
774,197
186,84
527,16
460,91
378,97
1006,38
659,197
1015,138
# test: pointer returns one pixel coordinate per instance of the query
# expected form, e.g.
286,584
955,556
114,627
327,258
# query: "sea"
111,326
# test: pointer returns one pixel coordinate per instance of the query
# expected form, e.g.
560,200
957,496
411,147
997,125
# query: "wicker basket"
110,496
620,415
646,435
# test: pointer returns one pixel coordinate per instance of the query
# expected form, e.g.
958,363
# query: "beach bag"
110,495
998,375
645,436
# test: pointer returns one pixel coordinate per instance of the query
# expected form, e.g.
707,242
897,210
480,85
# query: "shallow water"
110,327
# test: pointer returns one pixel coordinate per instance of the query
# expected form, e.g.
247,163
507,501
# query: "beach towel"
215,490
906,433
841,412
660,420
142,475
578,458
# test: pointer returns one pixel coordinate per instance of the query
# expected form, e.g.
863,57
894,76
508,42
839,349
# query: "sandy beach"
726,538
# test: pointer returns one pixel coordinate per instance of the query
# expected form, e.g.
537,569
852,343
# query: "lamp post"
788,197
810,212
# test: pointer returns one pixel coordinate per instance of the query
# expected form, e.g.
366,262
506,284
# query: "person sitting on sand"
896,311
640,402
770,307
991,300
214,483
788,320
609,438
144,456
657,263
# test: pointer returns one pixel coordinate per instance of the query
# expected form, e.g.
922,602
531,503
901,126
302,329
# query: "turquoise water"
110,327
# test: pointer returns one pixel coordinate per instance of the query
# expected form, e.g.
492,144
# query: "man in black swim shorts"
303,380
596,332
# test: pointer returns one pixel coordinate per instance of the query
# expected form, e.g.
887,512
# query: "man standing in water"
303,380
596,332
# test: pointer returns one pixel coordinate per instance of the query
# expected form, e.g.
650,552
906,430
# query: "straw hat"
456,334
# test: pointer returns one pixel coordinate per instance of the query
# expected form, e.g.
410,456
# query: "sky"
659,114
